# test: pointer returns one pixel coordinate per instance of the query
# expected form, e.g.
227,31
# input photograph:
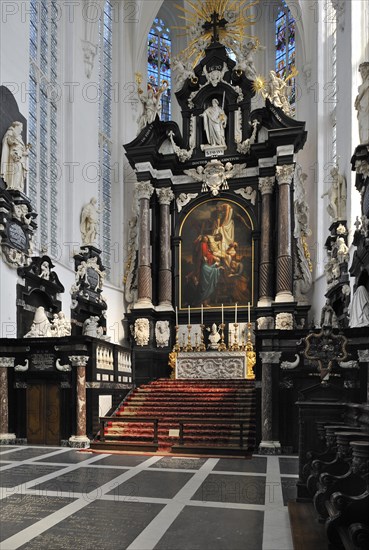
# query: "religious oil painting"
217,255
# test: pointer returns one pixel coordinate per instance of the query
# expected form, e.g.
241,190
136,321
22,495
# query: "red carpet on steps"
170,400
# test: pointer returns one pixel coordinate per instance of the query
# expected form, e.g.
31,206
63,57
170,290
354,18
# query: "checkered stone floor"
59,498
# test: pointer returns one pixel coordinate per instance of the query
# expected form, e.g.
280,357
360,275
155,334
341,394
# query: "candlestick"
235,314
222,315
222,346
248,311
189,315
202,315
176,316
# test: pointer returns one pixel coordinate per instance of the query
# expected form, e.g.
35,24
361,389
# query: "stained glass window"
285,48
158,63
44,98
105,131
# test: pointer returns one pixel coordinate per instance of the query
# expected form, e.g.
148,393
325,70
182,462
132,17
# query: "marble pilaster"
268,446
80,440
144,190
363,355
5,436
266,255
165,196
284,176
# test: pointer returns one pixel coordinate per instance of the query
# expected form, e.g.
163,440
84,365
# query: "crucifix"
214,25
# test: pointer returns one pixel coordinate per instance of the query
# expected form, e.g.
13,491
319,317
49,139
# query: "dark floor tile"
180,462
29,452
4,448
198,528
82,480
20,511
289,489
69,457
100,525
232,488
25,472
255,465
122,460
153,484
288,465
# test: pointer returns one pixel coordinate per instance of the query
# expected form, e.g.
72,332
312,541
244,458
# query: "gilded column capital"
144,190
266,185
284,174
165,195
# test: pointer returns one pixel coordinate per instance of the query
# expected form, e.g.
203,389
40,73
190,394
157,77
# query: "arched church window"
44,99
158,64
105,130
285,47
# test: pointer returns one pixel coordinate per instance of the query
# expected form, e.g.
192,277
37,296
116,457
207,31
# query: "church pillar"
165,196
144,190
80,440
5,364
268,446
284,175
266,256
363,355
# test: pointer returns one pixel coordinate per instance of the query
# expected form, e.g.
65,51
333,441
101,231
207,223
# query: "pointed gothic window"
44,100
285,49
158,63
105,130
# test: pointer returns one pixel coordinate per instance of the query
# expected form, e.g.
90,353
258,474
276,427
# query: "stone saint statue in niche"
215,121
89,222
362,103
14,155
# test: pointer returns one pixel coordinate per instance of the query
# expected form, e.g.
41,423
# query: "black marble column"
284,175
5,437
268,446
144,191
266,251
165,196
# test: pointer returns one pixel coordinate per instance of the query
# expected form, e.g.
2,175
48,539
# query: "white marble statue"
215,121
328,316
141,331
41,326
359,308
14,155
182,69
342,250
362,103
21,213
45,270
162,333
89,222
277,91
214,337
60,325
245,58
151,106
337,195
91,327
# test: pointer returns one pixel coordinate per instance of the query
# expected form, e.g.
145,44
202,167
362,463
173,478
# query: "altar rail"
183,421
128,419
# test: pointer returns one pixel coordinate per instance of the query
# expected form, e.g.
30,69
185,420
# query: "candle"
202,314
189,315
248,310
176,316
235,314
222,315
